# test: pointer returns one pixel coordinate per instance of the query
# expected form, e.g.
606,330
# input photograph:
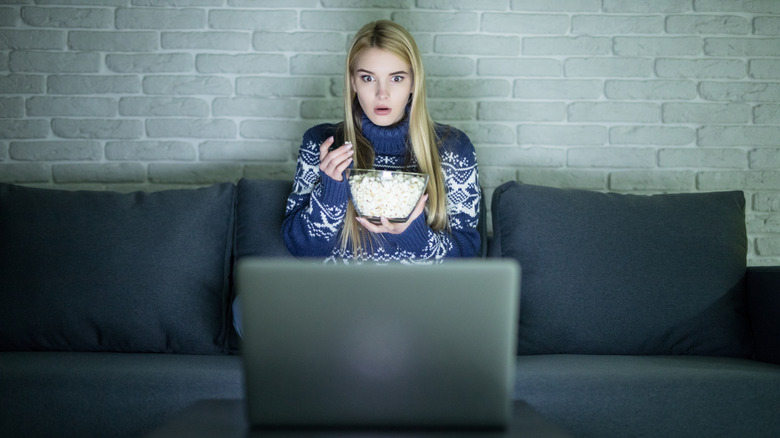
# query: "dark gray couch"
639,316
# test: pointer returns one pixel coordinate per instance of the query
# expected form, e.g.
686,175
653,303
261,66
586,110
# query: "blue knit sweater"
317,206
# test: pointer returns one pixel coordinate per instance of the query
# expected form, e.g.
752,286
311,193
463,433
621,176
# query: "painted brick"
330,109
21,84
468,88
521,156
180,3
652,135
87,84
418,21
97,128
642,6
766,202
715,135
56,151
569,134
740,91
561,46
564,89
608,67
579,178
11,107
13,39
765,68
763,223
767,114
489,5
614,111
191,128
291,130
616,157
317,65
521,111
347,20
650,90
196,173
741,46
616,24
766,26
556,5
705,113
110,41
657,46
244,150
708,24
93,18
150,151
702,158
71,106
59,62
768,246
151,63
25,173
652,181
299,42
282,87
234,19
187,85
447,66
519,67
452,110
254,107
98,173
159,18
24,128
9,17
701,68
282,171
477,45
489,133
765,158
163,106
763,6
240,64
744,180
524,24
210,40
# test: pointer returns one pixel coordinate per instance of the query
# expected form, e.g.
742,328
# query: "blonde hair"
389,36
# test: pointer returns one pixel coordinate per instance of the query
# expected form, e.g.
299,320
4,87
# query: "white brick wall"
632,96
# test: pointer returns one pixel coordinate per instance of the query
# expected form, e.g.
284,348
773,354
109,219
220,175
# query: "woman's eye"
397,78
367,78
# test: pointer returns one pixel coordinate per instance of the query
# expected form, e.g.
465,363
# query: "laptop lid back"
379,346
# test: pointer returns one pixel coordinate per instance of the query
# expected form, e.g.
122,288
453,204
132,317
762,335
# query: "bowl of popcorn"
385,193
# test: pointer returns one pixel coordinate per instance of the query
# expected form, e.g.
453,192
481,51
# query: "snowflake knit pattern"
317,206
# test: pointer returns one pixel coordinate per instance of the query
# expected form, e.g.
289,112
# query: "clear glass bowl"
385,193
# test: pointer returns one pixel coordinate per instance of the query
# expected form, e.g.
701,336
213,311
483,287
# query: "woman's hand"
395,228
334,163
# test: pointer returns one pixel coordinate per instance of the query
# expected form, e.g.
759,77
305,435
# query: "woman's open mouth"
382,110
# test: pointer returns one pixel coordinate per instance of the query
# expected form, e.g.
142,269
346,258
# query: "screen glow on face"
383,83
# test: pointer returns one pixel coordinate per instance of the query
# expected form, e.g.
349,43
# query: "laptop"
378,346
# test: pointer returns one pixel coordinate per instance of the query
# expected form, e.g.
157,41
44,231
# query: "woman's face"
383,83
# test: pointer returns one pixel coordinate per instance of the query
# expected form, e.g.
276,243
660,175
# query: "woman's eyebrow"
400,72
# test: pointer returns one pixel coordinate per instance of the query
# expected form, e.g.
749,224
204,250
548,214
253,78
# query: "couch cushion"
104,271
608,273
260,212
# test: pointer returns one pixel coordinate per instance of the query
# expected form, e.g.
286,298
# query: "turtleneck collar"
387,140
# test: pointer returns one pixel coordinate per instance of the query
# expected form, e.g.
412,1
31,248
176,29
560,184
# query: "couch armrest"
763,283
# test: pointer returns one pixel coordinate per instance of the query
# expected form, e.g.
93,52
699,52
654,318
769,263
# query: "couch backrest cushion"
104,271
608,273
260,212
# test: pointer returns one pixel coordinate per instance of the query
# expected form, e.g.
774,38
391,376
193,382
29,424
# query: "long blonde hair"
389,36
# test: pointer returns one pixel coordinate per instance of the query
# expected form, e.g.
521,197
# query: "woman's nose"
381,91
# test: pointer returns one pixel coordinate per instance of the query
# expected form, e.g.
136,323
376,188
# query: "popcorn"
386,194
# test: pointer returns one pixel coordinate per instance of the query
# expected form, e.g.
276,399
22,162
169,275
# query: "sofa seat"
84,394
652,396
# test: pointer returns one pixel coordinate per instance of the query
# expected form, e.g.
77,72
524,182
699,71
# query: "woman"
386,126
